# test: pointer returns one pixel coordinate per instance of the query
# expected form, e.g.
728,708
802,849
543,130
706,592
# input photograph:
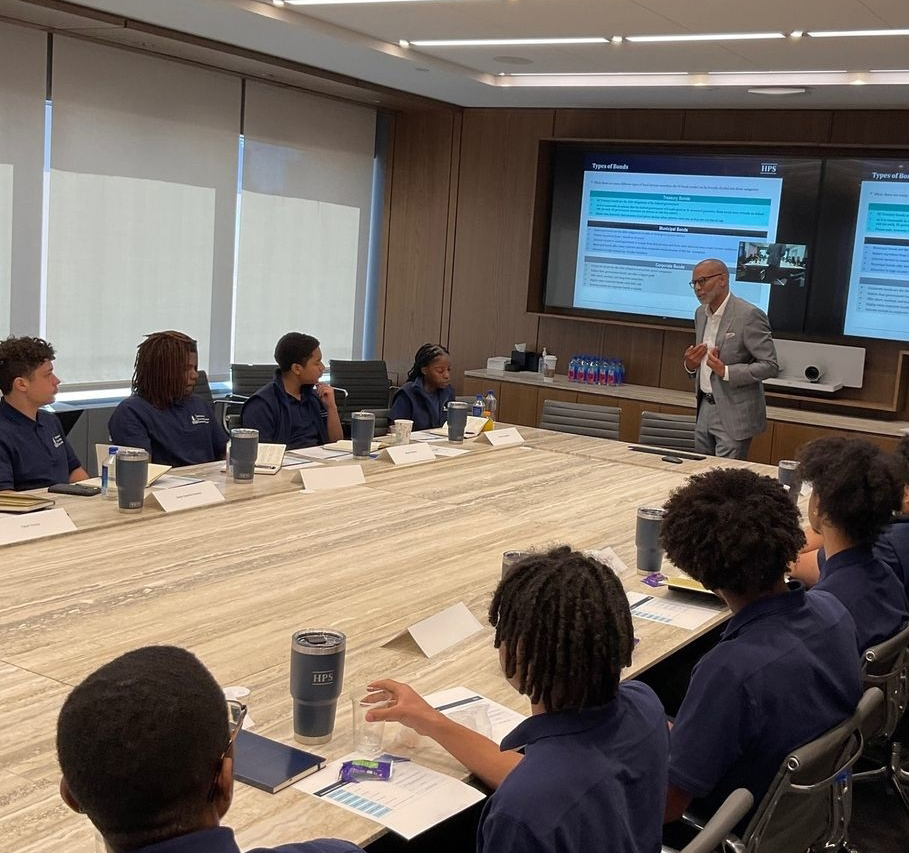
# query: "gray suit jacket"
746,346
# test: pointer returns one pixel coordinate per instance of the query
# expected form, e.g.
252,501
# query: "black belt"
709,398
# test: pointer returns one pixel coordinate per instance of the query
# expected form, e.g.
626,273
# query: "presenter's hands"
714,363
407,707
326,394
694,356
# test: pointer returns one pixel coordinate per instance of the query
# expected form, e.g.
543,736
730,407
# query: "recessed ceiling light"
403,43
823,34
705,37
616,39
777,90
505,42
796,34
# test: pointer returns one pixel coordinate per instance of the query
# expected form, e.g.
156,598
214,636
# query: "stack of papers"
22,502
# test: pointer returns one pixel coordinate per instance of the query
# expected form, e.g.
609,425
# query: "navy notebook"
267,764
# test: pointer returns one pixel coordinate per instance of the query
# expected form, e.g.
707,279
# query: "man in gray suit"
734,353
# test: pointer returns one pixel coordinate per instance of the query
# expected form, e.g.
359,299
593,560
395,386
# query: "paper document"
427,435
172,481
476,712
412,801
298,462
345,445
449,451
676,613
317,453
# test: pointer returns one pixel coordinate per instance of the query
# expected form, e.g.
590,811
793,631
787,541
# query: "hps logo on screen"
323,677
768,168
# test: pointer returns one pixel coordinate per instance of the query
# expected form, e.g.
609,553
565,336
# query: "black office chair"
367,387
809,802
246,379
886,666
715,831
581,419
675,432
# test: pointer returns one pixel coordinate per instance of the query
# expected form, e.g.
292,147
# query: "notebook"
22,502
154,471
270,458
686,584
270,765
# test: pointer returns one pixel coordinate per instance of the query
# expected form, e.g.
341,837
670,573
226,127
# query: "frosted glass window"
6,244
304,222
142,208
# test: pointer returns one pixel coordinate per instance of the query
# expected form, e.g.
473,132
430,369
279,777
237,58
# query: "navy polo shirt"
589,779
34,454
427,409
892,548
221,840
186,433
870,591
786,670
281,418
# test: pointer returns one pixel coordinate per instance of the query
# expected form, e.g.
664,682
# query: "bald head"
711,282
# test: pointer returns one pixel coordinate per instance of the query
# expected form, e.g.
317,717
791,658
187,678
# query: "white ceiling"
361,41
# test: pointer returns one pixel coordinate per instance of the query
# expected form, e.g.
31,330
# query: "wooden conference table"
233,581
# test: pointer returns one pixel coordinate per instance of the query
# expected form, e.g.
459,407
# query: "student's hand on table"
326,394
407,707
694,355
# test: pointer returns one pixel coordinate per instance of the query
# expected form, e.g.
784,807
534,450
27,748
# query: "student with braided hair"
593,771
162,415
425,396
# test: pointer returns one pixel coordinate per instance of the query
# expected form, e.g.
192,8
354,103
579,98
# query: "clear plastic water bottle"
573,369
478,406
540,365
603,372
490,405
106,466
610,373
593,371
620,378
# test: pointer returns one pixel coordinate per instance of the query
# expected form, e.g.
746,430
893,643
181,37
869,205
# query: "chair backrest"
581,419
675,432
809,802
203,389
366,382
886,666
246,379
715,831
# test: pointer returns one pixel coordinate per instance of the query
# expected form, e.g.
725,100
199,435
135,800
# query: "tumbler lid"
315,641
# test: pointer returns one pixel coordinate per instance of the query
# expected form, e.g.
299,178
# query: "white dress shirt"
710,332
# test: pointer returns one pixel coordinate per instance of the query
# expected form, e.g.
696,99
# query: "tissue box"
497,363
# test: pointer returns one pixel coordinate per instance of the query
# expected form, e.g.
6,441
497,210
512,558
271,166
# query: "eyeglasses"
236,713
703,279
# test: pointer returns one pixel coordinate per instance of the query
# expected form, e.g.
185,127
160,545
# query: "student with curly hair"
295,408
162,415
892,546
786,668
146,751
855,488
34,451
425,396
594,764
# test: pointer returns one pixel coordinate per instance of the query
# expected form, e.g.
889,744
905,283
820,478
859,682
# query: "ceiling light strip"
704,37
506,42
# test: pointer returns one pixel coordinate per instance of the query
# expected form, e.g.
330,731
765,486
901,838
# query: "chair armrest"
716,831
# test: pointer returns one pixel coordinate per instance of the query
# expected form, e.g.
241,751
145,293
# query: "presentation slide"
641,233
877,304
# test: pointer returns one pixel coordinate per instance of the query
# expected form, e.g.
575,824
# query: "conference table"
232,581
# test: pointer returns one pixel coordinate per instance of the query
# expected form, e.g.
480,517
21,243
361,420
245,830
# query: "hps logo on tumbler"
323,677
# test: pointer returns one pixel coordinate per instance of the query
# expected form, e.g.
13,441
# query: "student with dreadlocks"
162,415
786,668
593,772
425,396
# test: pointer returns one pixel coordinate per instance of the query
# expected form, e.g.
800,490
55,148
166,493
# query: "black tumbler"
788,474
316,673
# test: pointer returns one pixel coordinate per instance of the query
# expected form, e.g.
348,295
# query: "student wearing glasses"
733,354
425,396
145,744
163,416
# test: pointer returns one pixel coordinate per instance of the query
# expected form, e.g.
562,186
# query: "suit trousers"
710,436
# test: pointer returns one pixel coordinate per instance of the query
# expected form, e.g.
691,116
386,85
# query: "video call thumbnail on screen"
820,243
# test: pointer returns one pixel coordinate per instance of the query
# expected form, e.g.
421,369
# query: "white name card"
187,497
508,437
339,477
443,630
35,525
408,454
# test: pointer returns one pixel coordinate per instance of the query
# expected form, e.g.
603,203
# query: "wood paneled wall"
459,229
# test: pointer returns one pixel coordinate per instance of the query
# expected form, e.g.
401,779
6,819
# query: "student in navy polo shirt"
34,452
892,545
426,394
147,754
786,668
163,415
295,409
855,488
593,772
